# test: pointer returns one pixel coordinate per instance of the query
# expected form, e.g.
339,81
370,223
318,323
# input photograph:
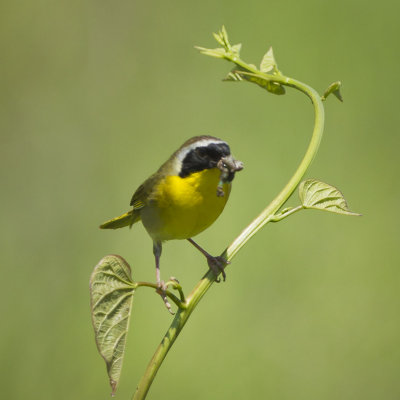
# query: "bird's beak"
232,164
228,166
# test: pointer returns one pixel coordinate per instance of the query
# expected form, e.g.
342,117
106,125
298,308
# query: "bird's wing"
140,197
139,200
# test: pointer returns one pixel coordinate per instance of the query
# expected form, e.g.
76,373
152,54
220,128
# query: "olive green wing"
139,200
144,192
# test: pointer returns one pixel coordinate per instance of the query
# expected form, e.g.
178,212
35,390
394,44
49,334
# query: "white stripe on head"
183,152
200,143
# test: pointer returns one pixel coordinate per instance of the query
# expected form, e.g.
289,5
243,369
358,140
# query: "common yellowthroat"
184,197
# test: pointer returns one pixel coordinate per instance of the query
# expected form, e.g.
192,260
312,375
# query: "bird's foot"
217,265
161,290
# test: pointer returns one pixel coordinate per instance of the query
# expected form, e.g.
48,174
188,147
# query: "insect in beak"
227,165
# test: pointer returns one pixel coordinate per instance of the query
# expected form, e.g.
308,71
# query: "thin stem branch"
283,215
179,303
176,286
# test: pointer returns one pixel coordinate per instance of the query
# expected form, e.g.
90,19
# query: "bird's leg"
216,264
157,248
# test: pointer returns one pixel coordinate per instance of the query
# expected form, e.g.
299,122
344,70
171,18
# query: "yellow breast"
181,208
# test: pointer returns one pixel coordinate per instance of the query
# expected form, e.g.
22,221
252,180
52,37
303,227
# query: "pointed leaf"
218,38
111,295
224,36
217,53
233,76
236,49
321,196
268,62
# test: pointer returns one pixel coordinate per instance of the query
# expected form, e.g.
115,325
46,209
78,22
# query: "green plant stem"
179,303
267,215
283,215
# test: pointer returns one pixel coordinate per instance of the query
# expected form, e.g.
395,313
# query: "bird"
184,197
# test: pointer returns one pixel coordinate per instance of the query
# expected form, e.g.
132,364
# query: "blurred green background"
96,94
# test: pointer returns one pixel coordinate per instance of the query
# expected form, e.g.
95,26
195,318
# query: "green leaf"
321,196
217,53
272,87
222,38
236,49
218,38
275,88
111,295
333,88
268,62
233,76
224,35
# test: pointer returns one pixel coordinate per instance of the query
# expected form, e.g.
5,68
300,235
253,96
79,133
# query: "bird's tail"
127,219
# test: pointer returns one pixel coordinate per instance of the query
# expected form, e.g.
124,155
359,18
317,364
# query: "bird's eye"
201,152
